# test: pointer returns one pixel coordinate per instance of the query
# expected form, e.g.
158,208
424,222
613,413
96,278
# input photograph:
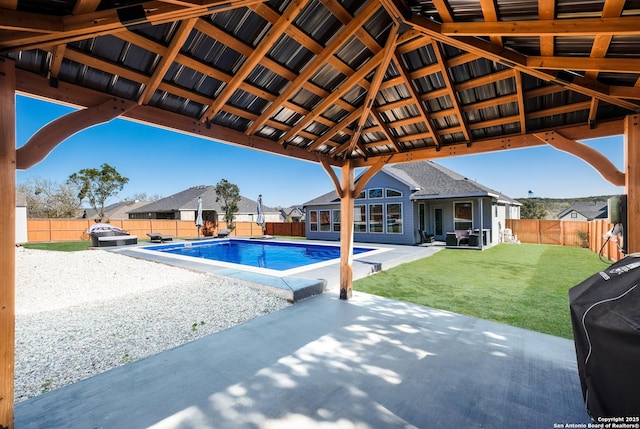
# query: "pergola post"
7,239
346,231
632,180
347,191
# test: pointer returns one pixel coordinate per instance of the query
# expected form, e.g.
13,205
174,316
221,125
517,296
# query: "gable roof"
588,209
117,210
188,200
428,180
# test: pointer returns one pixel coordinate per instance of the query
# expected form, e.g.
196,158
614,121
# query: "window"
375,217
394,218
325,220
359,219
392,193
463,215
361,196
375,193
313,220
574,215
336,221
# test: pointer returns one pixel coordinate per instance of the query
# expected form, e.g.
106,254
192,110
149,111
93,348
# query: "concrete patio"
365,363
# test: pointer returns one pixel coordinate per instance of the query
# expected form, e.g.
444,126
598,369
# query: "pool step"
290,288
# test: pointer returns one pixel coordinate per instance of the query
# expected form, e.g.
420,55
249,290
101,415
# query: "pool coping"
305,283
150,249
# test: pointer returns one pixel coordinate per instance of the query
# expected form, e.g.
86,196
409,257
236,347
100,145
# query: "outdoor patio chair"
425,237
223,233
452,239
155,237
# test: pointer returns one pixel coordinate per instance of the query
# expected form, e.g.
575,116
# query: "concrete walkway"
324,363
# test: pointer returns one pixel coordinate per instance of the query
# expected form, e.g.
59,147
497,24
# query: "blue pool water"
255,253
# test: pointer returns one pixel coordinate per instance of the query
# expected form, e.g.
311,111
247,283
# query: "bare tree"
48,199
143,196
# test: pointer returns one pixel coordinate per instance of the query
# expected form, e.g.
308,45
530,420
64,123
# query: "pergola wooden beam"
632,180
7,238
256,56
333,46
598,161
517,61
520,141
601,43
619,26
490,14
591,64
374,87
415,97
167,59
54,133
79,97
451,87
354,79
35,34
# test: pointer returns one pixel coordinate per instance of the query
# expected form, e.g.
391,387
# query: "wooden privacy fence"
590,234
291,229
44,230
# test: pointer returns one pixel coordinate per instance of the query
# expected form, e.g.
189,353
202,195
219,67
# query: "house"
115,211
402,200
292,214
183,206
588,210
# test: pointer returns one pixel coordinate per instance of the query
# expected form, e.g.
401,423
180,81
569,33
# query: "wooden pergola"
346,84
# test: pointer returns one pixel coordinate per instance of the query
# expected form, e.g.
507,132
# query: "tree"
48,199
532,209
229,193
97,185
143,196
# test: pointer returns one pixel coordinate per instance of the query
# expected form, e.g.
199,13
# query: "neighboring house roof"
589,209
293,211
428,180
188,200
117,210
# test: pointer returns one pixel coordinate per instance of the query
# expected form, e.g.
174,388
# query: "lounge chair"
156,237
116,240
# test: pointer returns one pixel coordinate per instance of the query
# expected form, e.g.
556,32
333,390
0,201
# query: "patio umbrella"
260,220
199,221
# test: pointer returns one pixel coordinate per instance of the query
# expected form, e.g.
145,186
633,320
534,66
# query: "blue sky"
161,162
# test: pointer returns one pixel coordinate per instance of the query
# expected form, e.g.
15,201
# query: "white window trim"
386,210
333,222
369,219
386,190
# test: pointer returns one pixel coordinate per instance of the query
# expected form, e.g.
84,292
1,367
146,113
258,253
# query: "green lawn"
522,285
62,246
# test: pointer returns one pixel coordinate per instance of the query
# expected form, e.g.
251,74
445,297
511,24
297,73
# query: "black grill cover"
605,315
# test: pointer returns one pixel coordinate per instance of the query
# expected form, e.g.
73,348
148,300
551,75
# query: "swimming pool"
276,257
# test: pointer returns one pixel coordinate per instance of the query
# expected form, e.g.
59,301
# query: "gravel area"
82,313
